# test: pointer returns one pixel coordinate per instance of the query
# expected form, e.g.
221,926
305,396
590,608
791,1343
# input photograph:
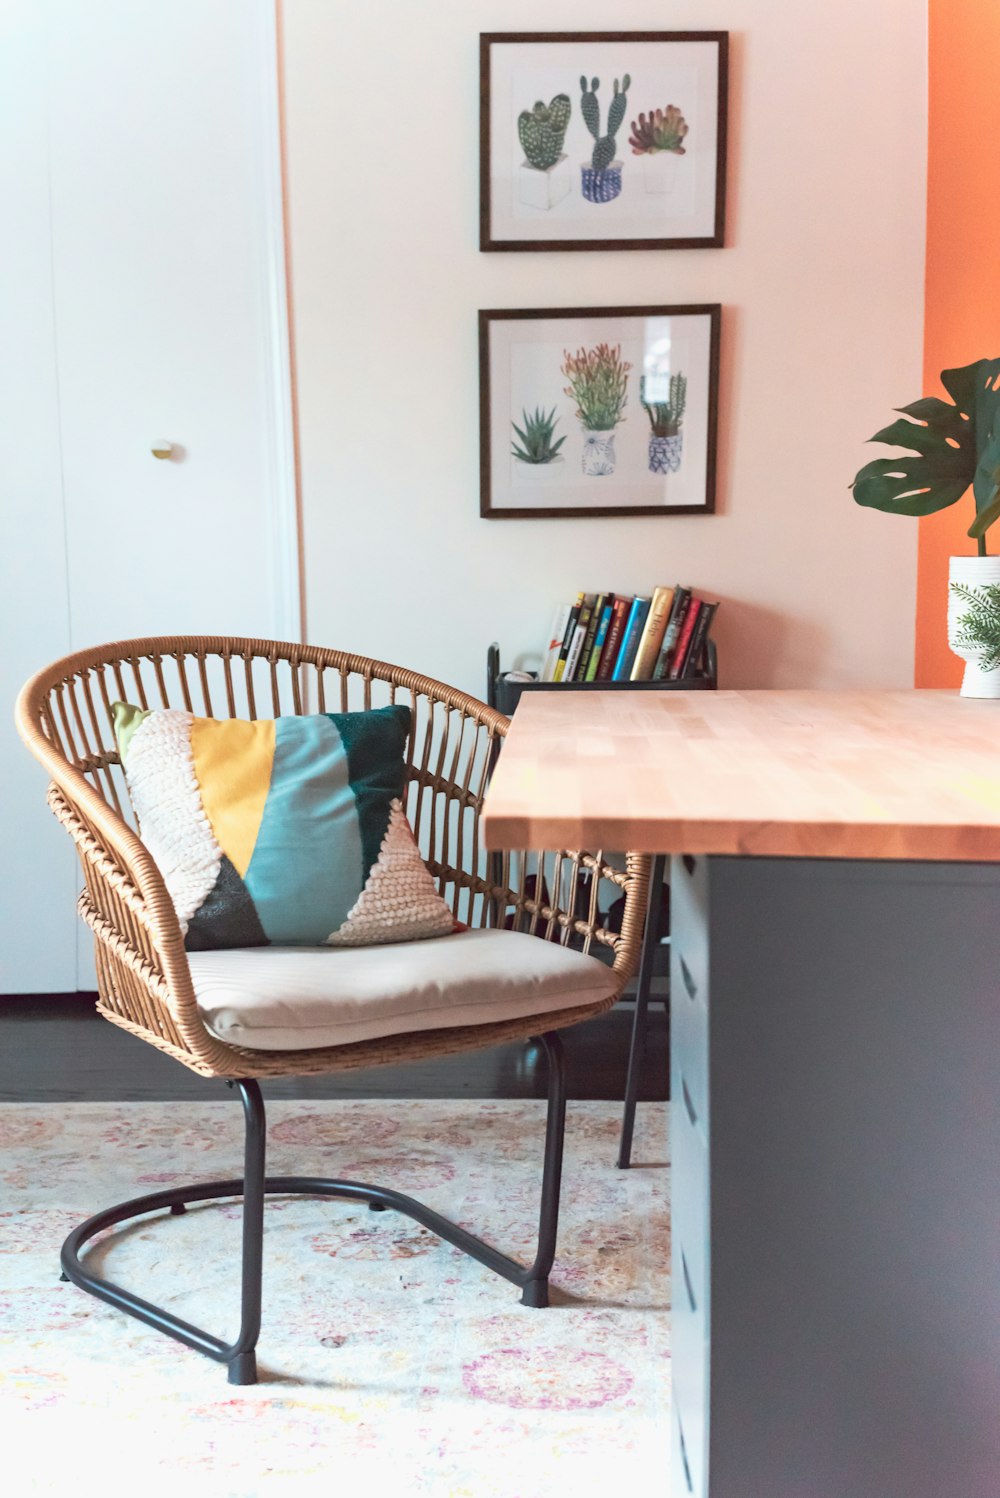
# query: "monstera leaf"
951,446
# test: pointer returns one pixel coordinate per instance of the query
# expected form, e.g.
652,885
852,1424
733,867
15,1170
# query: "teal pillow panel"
288,831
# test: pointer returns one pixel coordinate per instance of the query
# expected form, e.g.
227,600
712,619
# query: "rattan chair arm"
125,900
638,868
110,831
145,981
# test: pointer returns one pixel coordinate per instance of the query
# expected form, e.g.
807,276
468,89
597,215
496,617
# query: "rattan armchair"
144,978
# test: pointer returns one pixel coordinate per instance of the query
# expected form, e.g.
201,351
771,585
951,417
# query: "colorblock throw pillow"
288,831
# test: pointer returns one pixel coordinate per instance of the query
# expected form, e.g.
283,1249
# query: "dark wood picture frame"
487,316
714,241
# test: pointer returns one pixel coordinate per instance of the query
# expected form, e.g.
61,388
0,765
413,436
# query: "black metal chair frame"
240,1355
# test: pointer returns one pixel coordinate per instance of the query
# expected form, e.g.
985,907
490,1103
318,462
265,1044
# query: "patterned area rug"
386,1357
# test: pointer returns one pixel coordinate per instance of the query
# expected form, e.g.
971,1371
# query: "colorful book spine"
652,635
682,597
580,674
567,640
593,665
630,639
705,616
559,624
579,635
609,654
684,643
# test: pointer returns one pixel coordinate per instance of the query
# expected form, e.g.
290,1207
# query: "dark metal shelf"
504,695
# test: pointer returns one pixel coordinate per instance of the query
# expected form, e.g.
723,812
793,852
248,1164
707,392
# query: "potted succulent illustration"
659,139
666,419
602,175
598,382
534,448
952,445
543,177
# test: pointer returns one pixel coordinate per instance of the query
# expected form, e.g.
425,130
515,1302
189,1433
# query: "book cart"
504,696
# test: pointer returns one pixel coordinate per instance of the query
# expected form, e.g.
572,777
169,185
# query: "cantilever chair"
153,988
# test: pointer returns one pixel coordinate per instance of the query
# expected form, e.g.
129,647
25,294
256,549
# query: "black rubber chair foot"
377,1207
64,1277
177,1209
243,1368
535,1294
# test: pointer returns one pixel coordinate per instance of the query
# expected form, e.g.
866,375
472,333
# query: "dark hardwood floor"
56,1048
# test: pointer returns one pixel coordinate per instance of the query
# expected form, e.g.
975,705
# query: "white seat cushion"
297,998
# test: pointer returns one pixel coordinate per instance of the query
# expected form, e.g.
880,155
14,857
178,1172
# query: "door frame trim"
282,449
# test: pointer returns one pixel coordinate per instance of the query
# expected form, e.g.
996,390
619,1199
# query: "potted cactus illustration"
659,139
534,447
543,177
598,383
666,419
602,175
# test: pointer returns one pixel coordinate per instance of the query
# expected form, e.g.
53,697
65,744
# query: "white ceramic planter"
973,572
537,473
544,189
659,170
599,453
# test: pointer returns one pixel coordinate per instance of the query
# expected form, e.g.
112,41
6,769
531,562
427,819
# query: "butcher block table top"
908,774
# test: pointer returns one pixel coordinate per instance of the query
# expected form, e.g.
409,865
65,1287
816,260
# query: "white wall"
37,923
822,284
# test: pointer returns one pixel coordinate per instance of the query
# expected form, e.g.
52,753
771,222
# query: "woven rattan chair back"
64,717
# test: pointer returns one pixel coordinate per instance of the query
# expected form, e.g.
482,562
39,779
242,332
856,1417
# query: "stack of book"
618,637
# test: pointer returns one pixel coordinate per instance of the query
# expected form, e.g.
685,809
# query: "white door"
165,315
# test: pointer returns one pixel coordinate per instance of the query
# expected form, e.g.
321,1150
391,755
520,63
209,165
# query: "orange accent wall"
962,309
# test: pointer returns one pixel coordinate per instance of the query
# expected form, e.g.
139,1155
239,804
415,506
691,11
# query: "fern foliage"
978,629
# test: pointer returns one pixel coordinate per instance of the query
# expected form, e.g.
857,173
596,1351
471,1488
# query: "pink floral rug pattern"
386,1357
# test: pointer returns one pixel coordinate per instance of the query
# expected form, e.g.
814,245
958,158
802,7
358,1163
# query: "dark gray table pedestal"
836,1200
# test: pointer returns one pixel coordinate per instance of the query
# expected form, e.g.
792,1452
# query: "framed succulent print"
598,411
611,140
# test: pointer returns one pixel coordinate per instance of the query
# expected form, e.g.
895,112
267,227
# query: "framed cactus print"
612,140
598,411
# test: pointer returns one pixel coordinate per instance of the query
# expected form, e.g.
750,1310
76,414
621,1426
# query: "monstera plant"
952,446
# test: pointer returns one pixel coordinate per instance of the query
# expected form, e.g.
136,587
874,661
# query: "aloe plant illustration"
602,179
536,436
665,417
542,131
660,130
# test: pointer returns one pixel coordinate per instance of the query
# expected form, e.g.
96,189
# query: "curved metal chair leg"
536,1283
240,1355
